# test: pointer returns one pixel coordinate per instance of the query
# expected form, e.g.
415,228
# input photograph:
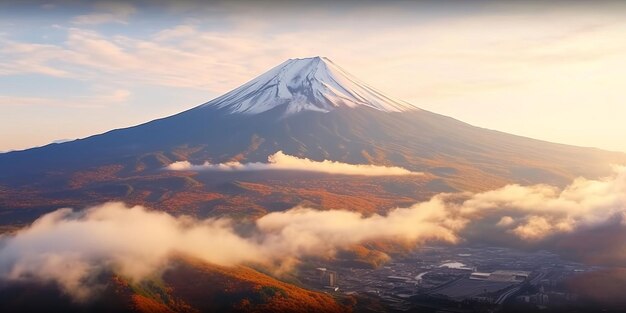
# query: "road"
513,291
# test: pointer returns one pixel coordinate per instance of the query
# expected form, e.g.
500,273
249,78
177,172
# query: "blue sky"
71,69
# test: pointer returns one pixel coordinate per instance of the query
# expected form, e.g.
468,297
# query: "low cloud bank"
70,248
282,161
535,213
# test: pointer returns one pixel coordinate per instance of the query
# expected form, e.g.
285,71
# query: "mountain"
306,108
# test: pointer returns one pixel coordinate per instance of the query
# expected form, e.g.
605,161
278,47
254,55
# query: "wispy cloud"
106,12
198,54
439,60
26,58
282,161
105,97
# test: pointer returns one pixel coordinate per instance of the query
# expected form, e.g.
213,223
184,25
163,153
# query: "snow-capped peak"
309,84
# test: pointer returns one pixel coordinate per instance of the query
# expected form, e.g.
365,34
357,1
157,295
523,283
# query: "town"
456,279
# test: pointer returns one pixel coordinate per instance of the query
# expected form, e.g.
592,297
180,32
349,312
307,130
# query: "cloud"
538,216
105,97
535,212
505,221
106,12
585,220
199,52
582,221
282,161
300,232
71,248
25,58
98,18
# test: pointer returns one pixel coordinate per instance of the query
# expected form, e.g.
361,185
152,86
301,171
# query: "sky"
549,70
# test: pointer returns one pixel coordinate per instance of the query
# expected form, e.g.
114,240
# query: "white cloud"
546,210
505,221
302,231
70,248
281,161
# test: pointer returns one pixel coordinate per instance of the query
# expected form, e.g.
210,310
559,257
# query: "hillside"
187,286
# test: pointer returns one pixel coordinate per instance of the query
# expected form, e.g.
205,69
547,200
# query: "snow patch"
310,84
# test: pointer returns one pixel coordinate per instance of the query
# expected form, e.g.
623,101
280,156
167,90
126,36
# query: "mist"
71,247
282,161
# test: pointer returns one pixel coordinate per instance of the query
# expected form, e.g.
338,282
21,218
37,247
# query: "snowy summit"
309,84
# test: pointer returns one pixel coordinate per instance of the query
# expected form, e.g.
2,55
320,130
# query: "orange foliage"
147,305
216,288
102,173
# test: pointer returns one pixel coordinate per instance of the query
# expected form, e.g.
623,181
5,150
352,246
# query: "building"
538,299
479,276
327,278
501,276
332,278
